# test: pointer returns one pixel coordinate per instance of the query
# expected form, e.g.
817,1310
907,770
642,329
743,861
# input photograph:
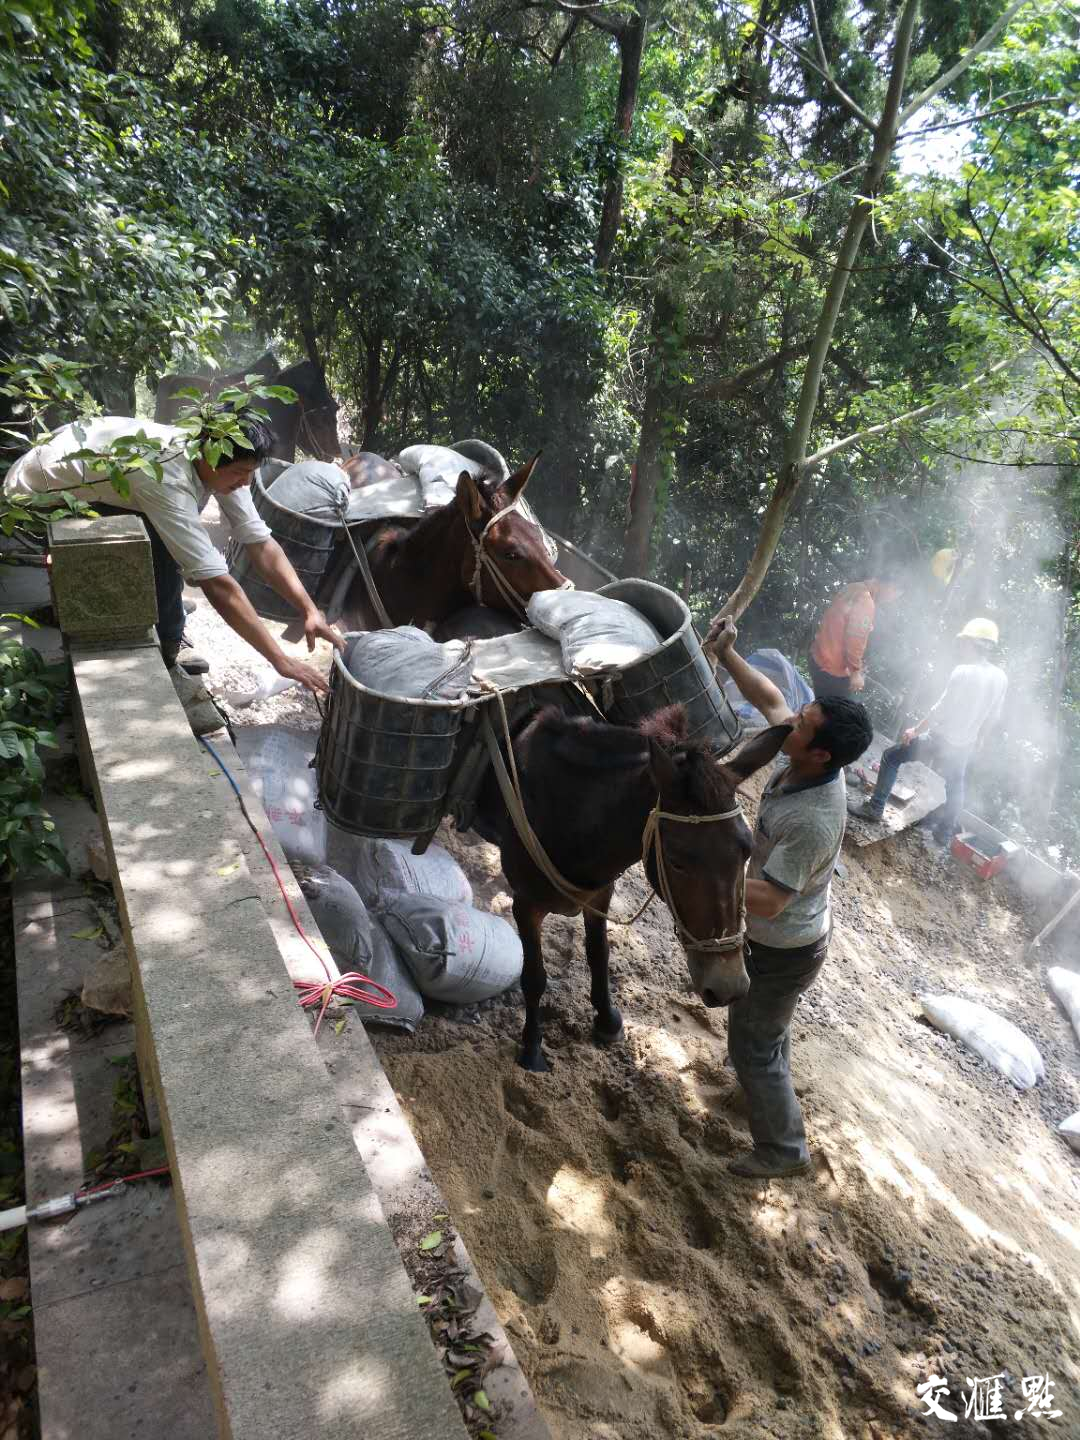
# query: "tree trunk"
654,443
631,43
792,462
373,390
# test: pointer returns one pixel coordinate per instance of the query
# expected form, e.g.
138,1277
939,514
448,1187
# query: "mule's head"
317,431
704,865
513,545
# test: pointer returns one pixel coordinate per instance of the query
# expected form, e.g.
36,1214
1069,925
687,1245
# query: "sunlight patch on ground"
580,1203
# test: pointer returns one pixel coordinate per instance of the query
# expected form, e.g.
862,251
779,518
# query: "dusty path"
648,1292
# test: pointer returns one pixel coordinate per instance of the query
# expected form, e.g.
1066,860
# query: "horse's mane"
709,787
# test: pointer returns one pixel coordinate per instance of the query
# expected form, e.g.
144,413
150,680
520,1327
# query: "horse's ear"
758,752
664,769
514,484
469,498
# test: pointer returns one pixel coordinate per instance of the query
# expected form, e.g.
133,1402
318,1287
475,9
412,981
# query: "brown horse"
310,421
466,551
601,797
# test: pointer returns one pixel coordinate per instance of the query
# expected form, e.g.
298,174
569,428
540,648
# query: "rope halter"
484,561
651,839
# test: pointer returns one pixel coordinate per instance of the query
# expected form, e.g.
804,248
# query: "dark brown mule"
310,421
589,790
429,571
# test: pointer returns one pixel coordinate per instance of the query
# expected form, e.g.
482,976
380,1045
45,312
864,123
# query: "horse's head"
699,868
506,562
317,431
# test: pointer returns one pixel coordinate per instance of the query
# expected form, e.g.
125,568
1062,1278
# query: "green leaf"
432,1241
481,1401
88,934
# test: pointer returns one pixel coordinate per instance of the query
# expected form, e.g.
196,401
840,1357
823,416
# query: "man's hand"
721,637
316,628
858,681
307,675
910,734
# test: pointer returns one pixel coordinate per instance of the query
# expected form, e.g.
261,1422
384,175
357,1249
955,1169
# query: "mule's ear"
514,484
469,498
664,769
758,752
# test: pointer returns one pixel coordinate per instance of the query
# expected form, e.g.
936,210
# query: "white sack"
595,632
358,942
408,664
993,1037
381,869
1069,1130
278,761
1065,985
268,684
456,954
312,487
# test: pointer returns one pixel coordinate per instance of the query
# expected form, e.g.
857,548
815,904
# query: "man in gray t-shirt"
799,831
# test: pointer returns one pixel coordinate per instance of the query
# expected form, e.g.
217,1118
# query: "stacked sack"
408,921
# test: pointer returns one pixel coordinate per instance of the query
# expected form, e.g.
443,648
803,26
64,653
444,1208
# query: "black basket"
677,673
309,543
384,764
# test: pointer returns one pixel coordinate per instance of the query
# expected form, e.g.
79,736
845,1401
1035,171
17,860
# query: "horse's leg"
608,1025
529,919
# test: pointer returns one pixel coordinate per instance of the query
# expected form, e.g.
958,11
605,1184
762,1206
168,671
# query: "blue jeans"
951,763
759,1043
168,586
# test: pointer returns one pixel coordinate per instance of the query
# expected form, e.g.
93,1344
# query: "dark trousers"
759,1043
826,684
168,587
950,761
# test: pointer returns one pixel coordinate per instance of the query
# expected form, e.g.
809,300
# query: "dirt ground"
647,1291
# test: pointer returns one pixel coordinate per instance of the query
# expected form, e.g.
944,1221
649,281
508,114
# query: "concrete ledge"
308,1320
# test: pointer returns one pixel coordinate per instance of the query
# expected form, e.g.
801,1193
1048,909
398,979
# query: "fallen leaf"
90,933
429,1242
228,869
486,1435
463,1375
13,1289
481,1401
339,1025
424,1299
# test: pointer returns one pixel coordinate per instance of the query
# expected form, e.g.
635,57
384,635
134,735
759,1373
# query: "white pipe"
12,1219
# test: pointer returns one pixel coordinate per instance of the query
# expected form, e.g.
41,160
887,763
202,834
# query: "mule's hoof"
605,1033
534,1060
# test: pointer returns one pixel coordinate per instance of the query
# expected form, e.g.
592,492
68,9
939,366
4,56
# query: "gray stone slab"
309,1321
55,964
67,1111
140,1371
928,787
393,1160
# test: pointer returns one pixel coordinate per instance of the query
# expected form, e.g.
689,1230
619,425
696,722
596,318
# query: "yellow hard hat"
943,564
980,629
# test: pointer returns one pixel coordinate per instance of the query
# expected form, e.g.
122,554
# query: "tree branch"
820,456
962,64
852,106
731,385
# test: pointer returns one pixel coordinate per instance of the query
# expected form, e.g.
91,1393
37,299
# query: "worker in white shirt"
951,732
181,546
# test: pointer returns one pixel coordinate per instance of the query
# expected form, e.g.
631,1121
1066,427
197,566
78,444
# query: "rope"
354,985
483,560
510,787
381,615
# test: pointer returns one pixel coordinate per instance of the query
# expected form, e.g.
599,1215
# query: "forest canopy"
786,290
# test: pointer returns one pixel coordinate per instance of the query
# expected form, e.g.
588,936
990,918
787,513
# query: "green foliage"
33,694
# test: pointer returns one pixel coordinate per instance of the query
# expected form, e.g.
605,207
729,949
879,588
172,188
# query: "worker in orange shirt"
839,649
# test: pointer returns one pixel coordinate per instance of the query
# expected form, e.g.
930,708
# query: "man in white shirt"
951,732
182,548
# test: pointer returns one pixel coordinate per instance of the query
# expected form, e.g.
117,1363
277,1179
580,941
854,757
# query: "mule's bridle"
483,561
510,785
651,840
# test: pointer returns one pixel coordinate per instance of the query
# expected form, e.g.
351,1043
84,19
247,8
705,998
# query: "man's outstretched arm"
757,688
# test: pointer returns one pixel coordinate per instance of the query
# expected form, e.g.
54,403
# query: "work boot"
867,810
757,1167
192,662
203,715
